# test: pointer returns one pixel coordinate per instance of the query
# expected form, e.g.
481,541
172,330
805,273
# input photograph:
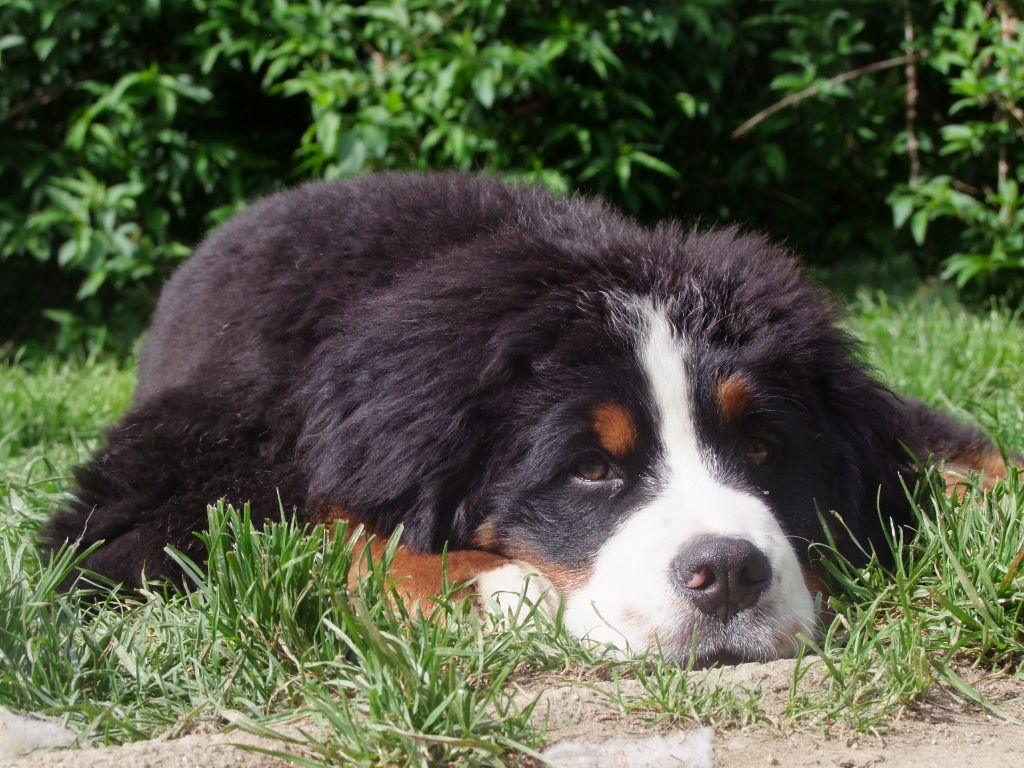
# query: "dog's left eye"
592,467
755,452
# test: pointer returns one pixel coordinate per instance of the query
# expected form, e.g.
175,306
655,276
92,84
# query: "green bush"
129,128
974,177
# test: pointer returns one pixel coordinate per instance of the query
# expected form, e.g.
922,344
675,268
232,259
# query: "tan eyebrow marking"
735,396
485,536
614,428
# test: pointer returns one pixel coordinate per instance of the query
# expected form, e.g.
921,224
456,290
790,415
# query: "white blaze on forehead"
662,358
630,598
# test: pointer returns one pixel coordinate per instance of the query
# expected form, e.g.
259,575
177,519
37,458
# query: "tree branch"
910,97
814,90
54,94
1006,33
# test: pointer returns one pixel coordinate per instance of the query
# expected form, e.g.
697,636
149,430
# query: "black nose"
721,575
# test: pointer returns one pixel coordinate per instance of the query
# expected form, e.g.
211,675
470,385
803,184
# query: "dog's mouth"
753,635
697,640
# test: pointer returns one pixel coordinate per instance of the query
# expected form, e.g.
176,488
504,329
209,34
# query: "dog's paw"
516,591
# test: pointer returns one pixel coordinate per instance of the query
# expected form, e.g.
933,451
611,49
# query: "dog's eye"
592,467
755,452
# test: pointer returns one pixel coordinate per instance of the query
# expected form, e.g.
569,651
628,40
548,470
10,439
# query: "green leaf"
11,41
902,207
43,47
351,154
623,169
328,129
648,161
66,253
687,103
956,132
92,284
919,226
483,87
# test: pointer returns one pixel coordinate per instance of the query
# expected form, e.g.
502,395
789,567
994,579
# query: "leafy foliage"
127,129
974,177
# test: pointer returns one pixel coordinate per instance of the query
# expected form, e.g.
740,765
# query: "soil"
585,728
941,731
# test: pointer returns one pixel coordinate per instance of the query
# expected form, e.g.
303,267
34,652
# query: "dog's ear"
399,409
957,449
883,444
869,462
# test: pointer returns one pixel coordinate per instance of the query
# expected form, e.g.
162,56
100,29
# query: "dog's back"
263,290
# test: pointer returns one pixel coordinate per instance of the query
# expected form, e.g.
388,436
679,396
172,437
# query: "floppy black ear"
869,460
883,443
956,448
399,408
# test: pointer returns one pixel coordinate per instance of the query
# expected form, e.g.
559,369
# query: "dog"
660,422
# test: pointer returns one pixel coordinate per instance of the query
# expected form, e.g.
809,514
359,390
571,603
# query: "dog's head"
658,421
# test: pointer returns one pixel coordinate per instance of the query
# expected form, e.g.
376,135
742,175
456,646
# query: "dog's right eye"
593,468
756,452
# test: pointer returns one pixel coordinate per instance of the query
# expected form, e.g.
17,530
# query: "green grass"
272,639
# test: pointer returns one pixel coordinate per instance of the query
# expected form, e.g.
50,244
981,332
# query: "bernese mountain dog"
658,422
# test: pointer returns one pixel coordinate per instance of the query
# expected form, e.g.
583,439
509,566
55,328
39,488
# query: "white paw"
517,591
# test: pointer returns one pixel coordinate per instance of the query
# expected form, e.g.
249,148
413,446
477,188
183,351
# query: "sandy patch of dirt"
940,732
206,750
918,741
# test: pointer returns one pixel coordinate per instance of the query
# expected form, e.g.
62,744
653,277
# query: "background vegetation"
852,130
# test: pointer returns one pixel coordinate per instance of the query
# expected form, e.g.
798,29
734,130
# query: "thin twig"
47,97
813,90
910,97
967,189
1006,33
